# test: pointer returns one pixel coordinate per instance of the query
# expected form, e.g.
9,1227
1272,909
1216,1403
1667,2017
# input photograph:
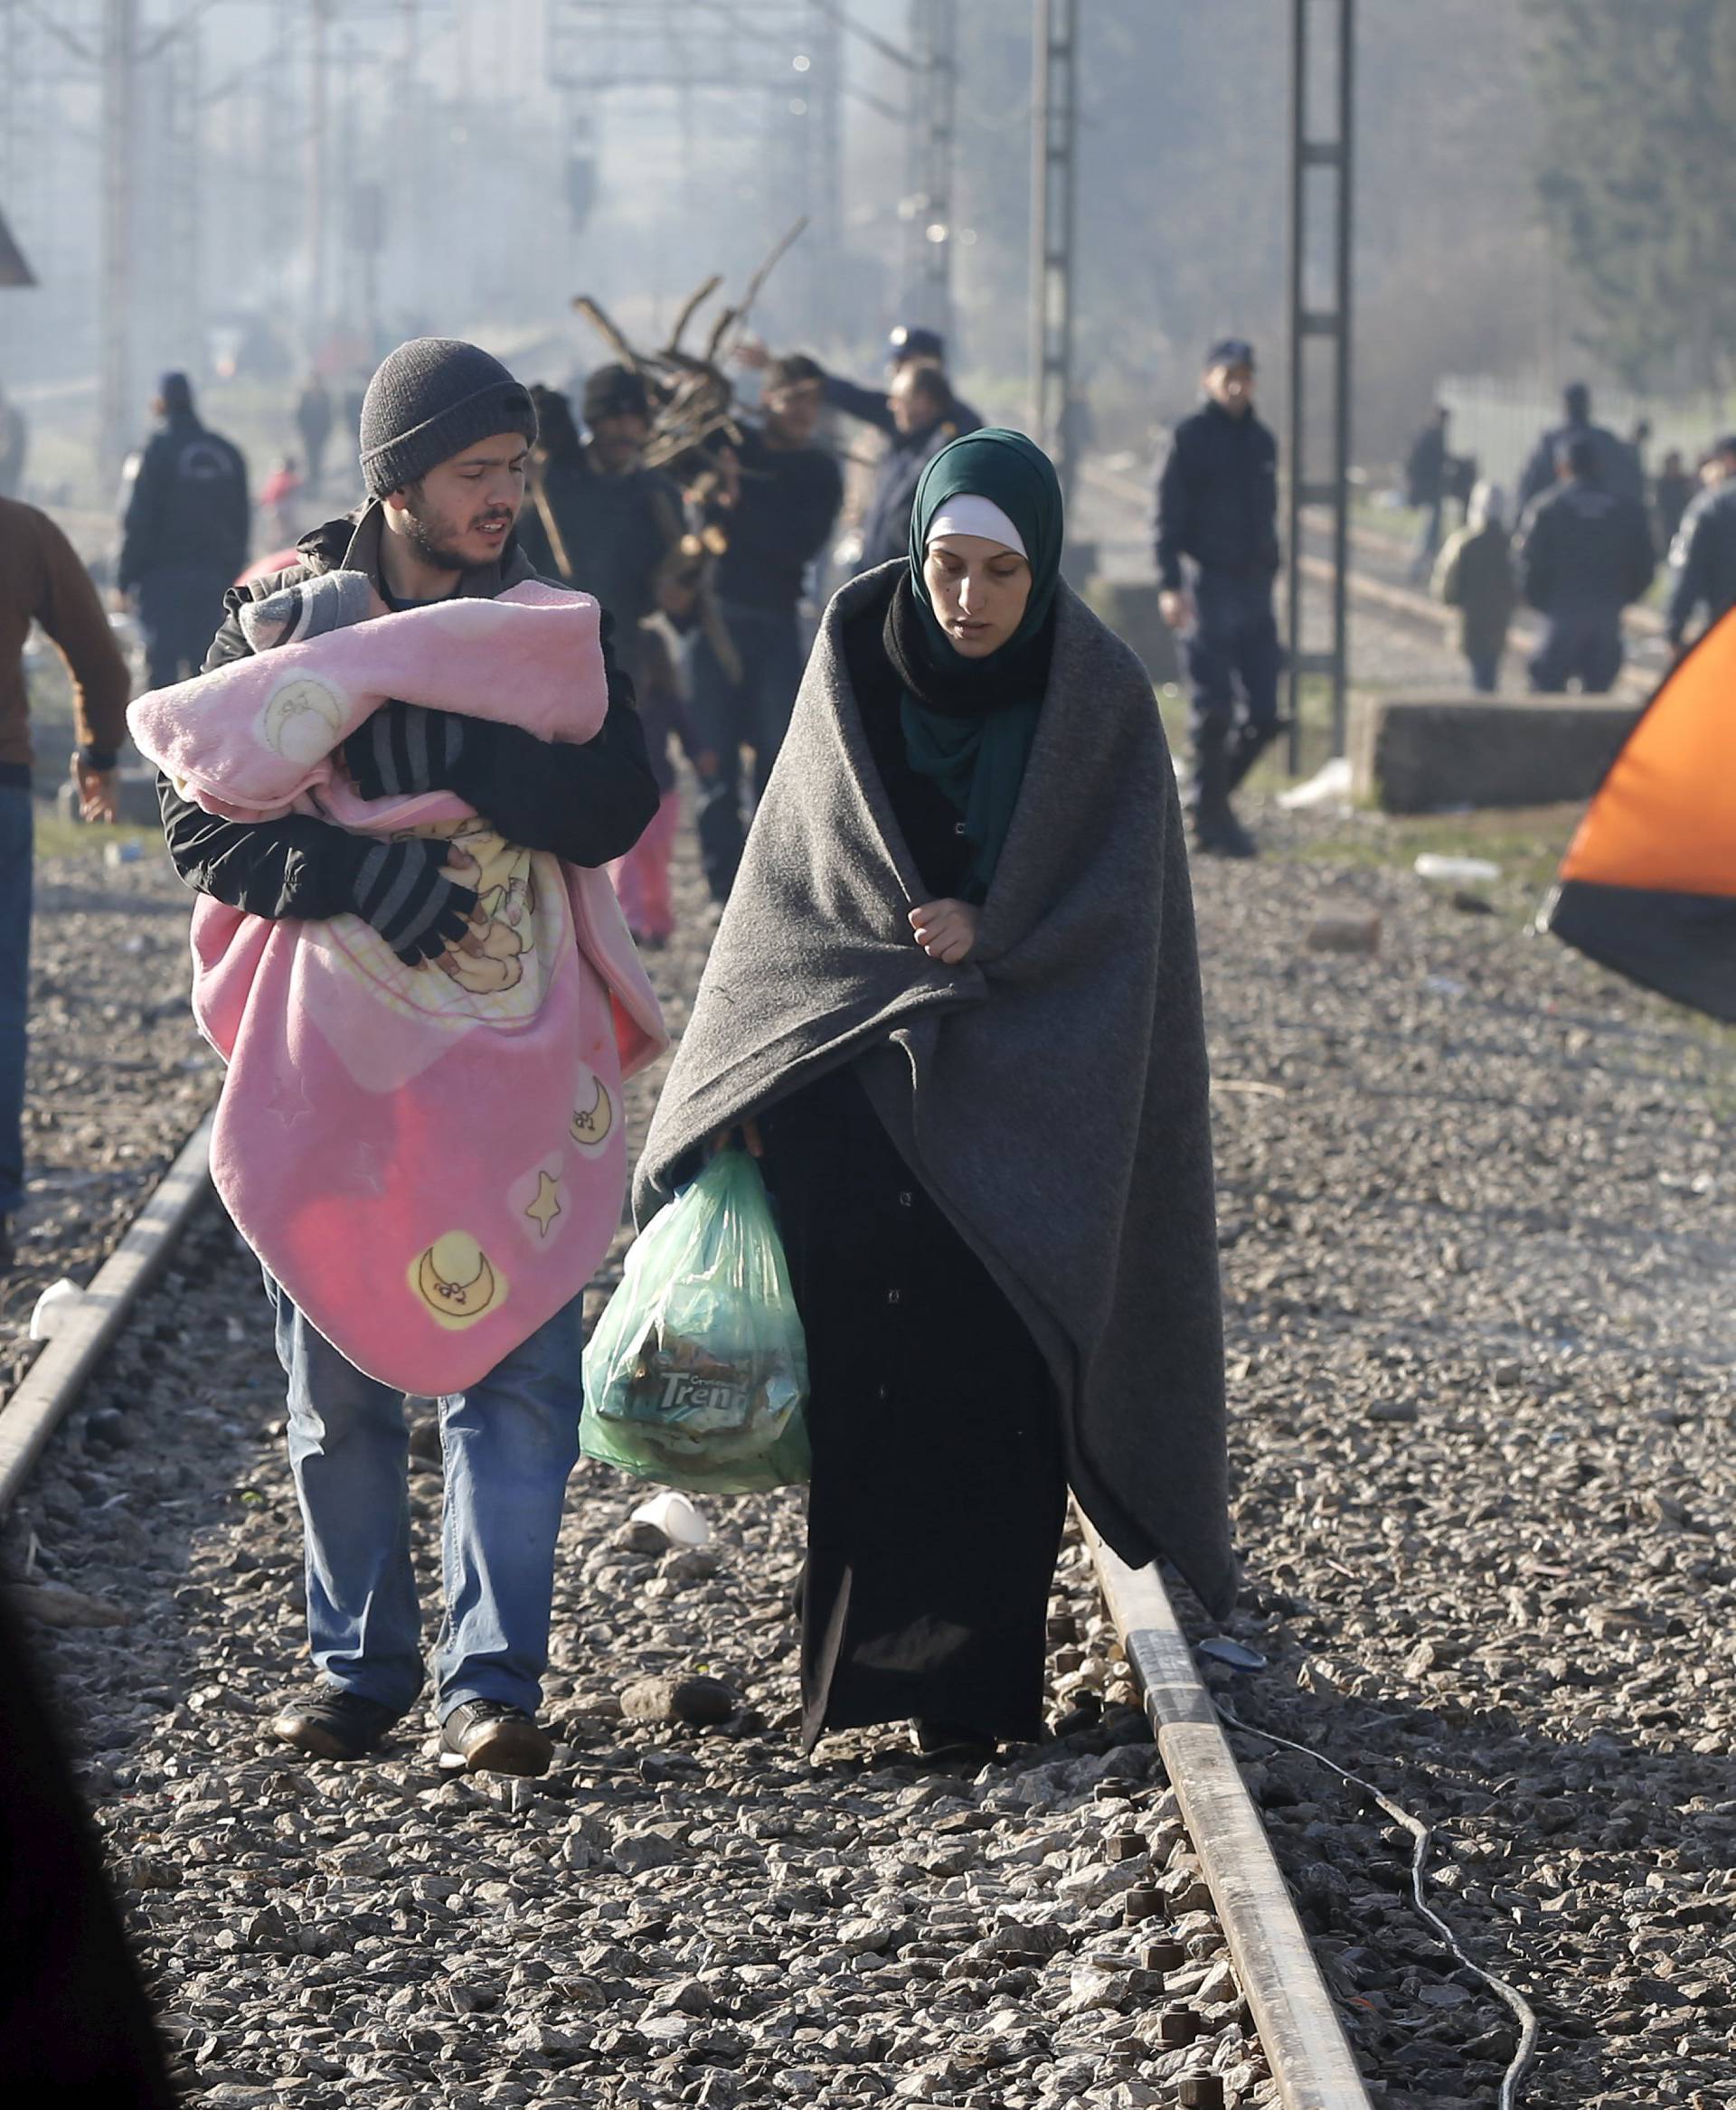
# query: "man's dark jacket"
886,521
616,531
789,501
1217,498
1587,552
1619,469
1705,575
870,406
587,803
1425,469
188,507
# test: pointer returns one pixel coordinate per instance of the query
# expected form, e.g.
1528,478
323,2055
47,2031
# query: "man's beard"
425,531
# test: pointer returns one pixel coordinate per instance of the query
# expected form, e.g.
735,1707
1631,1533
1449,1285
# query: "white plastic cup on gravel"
681,1521
1457,871
53,1309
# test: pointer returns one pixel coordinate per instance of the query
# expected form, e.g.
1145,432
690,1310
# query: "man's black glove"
401,888
405,748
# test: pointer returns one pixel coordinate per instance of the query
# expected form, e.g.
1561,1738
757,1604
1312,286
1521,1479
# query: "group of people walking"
965,883
1580,544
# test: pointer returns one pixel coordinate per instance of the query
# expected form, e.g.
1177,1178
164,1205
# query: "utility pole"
116,378
1324,322
824,88
934,94
1054,107
318,134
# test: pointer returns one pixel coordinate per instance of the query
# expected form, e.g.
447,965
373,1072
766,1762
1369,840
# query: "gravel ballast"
1477,1231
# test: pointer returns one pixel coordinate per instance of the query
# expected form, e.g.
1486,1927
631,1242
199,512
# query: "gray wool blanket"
1049,1092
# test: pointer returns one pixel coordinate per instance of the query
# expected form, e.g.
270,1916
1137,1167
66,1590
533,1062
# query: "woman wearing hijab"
955,1004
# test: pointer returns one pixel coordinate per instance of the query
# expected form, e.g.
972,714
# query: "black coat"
780,522
1618,468
586,802
1705,565
614,530
1586,552
1425,469
1217,498
188,505
886,523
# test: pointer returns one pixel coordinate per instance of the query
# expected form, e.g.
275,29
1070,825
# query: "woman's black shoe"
949,1747
331,1723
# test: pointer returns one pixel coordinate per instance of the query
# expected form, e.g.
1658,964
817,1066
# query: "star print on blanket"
428,1159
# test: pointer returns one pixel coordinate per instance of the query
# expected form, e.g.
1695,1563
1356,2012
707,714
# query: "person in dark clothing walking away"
43,582
14,444
1618,470
777,507
1428,476
446,432
600,519
313,423
1217,558
1703,558
1475,575
183,536
1587,554
1673,492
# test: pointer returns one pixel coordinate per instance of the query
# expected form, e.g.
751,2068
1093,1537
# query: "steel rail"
42,1396
1295,2021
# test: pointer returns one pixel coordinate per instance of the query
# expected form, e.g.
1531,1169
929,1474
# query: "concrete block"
1421,754
1130,608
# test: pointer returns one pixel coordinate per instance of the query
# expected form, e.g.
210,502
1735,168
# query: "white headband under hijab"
967,516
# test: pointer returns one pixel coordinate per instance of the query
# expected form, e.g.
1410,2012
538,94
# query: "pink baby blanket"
431,1163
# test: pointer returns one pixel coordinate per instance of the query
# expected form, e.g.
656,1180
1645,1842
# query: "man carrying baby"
445,434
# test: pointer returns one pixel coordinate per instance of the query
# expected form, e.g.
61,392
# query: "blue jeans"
509,1445
728,716
16,833
1485,672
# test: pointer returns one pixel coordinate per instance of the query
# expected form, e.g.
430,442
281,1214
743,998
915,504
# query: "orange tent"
1648,885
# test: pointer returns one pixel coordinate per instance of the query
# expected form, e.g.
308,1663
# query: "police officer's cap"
911,340
1230,351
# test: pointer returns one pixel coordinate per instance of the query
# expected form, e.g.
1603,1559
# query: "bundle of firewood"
693,398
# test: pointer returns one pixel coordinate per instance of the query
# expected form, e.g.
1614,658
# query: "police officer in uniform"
1587,554
183,536
1702,558
1217,559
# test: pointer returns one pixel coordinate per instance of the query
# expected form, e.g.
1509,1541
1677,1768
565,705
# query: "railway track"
1180,1969
1268,2023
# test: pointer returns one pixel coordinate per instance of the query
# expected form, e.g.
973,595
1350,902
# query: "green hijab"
977,752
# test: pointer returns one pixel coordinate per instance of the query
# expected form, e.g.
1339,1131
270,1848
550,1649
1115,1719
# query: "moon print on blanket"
456,1280
300,720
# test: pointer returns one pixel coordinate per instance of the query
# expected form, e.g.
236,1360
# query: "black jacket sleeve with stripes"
586,802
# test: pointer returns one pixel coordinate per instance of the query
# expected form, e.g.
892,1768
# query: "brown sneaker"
331,1723
487,1735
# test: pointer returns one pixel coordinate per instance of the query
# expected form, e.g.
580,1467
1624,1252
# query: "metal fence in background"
1499,420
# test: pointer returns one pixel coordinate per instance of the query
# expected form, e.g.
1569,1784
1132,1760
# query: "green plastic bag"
696,1374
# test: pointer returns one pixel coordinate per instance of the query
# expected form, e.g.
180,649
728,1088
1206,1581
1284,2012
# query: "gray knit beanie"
430,400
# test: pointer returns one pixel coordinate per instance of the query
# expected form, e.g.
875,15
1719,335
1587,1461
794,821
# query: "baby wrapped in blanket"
421,1137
